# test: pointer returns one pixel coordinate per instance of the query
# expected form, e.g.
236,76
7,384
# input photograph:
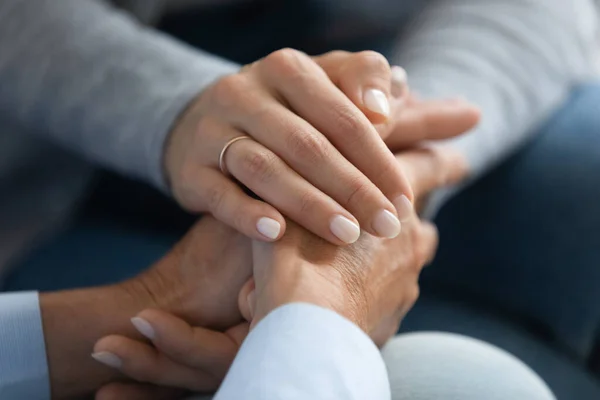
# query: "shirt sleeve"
517,60
90,77
23,364
300,352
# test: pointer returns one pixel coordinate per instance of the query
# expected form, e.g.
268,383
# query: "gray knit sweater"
87,76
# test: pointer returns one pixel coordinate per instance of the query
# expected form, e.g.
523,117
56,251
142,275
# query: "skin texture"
200,281
373,282
314,155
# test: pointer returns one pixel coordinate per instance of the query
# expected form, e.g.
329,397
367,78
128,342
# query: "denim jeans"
519,257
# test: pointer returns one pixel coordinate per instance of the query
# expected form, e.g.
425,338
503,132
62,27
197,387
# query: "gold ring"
222,165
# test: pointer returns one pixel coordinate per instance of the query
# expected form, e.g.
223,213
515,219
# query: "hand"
419,122
373,283
314,155
200,278
372,266
180,356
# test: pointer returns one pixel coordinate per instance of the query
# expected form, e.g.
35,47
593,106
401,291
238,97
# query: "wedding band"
222,165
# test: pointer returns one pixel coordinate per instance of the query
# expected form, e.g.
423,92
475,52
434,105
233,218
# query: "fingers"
182,356
247,300
431,167
365,77
312,157
305,87
263,172
143,363
399,87
227,202
431,120
137,391
196,347
427,243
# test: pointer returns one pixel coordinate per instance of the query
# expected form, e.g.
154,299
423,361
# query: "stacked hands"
322,133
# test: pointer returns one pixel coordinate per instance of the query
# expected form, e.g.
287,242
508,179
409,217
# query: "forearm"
73,321
514,59
93,79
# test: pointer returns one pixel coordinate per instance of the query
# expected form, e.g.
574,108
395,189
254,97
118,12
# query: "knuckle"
306,145
308,203
359,191
227,90
285,61
215,199
186,188
205,126
373,60
349,123
260,165
337,53
388,170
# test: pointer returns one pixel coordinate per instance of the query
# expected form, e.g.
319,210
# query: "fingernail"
386,224
344,229
108,359
268,227
143,327
399,81
404,208
376,101
399,76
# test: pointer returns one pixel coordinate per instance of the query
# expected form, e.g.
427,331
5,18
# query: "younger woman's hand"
310,152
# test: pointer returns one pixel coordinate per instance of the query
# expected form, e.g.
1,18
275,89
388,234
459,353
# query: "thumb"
247,300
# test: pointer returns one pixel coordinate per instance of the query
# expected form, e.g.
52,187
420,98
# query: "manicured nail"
399,76
399,81
108,359
143,327
386,224
344,229
268,227
376,101
404,208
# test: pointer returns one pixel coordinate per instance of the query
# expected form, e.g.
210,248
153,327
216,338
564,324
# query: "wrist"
303,282
73,321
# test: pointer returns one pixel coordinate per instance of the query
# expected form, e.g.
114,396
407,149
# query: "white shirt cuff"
302,351
23,364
